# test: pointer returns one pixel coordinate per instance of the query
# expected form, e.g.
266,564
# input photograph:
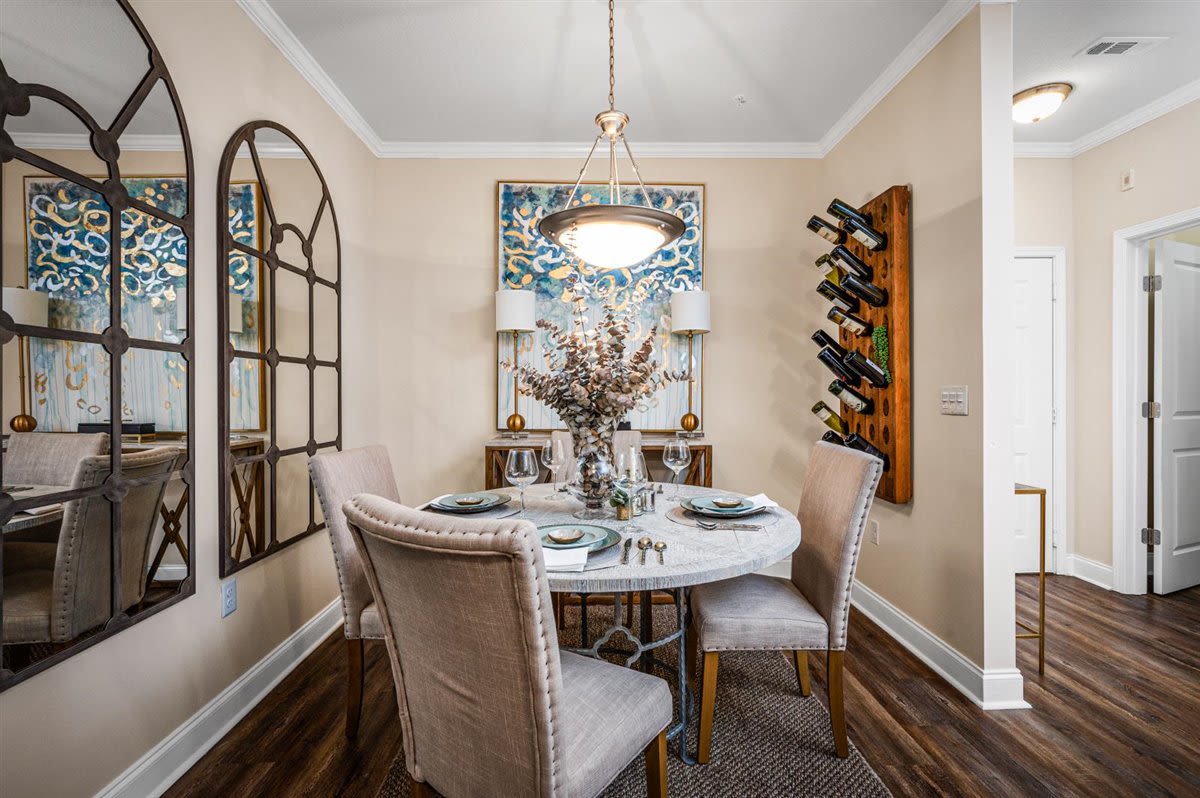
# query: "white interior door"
1177,433
1033,386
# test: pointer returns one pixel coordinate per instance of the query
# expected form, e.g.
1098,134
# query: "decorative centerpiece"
592,385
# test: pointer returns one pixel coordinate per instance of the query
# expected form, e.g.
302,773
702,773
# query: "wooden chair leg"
801,658
708,701
354,686
656,766
418,789
837,704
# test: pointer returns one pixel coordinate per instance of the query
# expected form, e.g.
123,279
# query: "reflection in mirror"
279,406
94,472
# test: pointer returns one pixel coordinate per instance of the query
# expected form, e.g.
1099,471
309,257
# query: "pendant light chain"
612,60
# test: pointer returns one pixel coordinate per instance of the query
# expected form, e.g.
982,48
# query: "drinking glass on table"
676,456
554,458
632,475
521,470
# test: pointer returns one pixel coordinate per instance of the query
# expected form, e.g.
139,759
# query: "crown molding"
579,149
1172,101
298,55
930,36
137,143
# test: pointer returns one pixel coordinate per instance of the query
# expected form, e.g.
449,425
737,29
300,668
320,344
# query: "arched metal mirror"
280,331
95,505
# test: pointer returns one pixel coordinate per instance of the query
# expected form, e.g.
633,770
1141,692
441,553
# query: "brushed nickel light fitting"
613,235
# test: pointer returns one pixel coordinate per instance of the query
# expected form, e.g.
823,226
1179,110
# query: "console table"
698,473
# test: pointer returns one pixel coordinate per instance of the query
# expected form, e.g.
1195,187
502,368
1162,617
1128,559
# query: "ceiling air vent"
1122,45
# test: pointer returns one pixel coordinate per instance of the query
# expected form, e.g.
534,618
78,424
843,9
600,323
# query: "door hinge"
1152,283
1152,536
1151,409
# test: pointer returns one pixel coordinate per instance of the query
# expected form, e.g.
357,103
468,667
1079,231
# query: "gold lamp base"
516,426
689,422
23,423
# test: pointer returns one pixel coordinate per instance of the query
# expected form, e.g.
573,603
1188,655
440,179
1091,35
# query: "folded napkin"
761,500
565,559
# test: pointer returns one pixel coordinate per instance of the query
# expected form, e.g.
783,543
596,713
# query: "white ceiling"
1047,34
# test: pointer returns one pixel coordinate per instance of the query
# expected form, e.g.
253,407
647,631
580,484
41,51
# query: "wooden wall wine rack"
889,427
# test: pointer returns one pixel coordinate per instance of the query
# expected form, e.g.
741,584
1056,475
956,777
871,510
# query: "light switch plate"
1127,181
228,597
873,528
954,400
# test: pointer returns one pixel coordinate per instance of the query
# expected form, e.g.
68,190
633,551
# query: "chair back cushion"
49,458
339,476
839,488
81,598
466,610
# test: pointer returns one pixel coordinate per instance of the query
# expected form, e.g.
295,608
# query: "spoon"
645,544
660,547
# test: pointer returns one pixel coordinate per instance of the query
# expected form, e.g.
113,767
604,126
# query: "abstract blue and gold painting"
527,260
68,257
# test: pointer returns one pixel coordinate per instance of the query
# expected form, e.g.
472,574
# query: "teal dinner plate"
699,506
594,538
466,502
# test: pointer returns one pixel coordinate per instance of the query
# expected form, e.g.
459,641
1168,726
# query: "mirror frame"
226,244
14,102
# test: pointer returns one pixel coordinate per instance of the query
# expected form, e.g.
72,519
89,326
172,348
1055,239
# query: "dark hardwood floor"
1117,713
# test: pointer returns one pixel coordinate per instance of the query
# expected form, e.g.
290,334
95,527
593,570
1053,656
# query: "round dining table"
692,556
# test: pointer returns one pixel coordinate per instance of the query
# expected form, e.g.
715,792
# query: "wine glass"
521,470
554,458
631,479
676,456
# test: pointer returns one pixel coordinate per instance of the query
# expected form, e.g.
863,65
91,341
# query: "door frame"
1059,487
1130,333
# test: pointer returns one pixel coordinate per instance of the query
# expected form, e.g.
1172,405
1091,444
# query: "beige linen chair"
489,705
338,476
809,612
47,458
56,592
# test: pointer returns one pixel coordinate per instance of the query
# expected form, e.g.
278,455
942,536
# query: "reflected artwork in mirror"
279,312
97,472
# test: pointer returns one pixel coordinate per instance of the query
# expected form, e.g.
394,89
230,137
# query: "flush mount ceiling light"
614,235
1034,105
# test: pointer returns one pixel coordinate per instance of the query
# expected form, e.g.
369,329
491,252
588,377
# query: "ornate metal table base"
644,649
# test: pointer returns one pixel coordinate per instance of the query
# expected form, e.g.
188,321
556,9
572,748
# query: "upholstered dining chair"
338,476
811,610
56,592
47,458
489,705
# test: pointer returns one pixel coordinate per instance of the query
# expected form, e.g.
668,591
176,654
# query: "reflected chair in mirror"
338,477
489,704
53,593
47,458
808,612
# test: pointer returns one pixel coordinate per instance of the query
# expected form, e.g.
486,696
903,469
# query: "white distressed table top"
692,557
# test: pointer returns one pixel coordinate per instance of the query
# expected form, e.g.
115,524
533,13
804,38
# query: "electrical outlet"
873,531
954,400
228,597
1127,180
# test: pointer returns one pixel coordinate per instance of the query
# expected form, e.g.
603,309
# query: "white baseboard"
1090,571
992,689
163,764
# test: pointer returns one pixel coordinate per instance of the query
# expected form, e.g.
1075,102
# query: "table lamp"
515,314
690,316
32,308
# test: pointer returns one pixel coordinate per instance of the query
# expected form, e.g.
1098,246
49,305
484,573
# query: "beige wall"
110,704
926,133
437,373
1078,204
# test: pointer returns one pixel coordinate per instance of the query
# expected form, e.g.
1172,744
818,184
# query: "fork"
711,525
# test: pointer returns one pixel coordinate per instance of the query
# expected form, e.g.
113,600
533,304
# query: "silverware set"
711,525
644,545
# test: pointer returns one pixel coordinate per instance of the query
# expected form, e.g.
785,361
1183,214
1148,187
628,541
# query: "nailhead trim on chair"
868,488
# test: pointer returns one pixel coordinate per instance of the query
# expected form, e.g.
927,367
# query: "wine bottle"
838,297
848,321
866,235
831,419
832,437
826,231
851,263
870,293
866,368
851,398
823,339
844,210
828,269
856,441
838,366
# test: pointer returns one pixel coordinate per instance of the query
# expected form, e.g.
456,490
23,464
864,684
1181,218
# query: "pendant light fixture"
615,235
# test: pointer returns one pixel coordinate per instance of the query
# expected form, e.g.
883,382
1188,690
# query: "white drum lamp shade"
690,312
236,327
514,311
27,306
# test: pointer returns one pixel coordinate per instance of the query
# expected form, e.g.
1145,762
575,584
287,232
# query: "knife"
625,551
